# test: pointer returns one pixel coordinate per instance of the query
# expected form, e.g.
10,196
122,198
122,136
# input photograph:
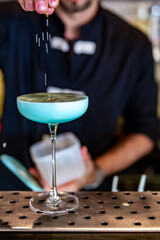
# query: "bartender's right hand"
40,6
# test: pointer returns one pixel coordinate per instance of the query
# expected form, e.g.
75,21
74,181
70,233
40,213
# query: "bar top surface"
98,212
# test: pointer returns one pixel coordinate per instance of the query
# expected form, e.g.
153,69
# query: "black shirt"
118,78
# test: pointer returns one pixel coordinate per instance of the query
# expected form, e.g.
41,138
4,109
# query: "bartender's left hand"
88,178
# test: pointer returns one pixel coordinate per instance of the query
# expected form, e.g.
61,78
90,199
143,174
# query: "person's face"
73,6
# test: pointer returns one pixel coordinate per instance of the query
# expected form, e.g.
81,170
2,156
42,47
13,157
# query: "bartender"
105,57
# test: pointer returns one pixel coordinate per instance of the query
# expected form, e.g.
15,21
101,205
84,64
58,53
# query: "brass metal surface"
99,212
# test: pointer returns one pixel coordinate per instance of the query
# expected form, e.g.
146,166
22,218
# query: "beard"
74,8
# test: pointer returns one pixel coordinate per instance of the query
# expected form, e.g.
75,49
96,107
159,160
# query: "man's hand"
87,179
40,6
35,173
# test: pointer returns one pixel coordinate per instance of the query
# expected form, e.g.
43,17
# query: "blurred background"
144,15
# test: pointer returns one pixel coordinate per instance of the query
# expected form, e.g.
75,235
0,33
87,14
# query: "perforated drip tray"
97,212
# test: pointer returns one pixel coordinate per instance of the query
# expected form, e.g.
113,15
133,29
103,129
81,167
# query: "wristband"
99,179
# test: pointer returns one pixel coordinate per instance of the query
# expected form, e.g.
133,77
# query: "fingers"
29,5
45,6
53,3
69,187
88,178
86,156
90,175
45,185
21,2
35,173
50,11
84,150
40,6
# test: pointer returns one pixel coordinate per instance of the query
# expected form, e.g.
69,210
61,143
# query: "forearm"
125,153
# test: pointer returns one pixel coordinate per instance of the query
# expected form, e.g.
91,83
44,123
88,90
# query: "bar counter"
101,215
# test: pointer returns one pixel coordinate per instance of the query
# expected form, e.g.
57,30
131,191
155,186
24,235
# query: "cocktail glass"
52,109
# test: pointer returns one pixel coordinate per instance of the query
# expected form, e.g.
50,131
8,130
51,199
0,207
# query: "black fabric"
118,79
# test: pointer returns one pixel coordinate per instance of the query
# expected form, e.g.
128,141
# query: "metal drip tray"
98,212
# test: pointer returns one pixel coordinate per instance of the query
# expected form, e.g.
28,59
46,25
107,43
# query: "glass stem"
54,197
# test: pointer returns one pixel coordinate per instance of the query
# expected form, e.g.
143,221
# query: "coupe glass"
52,109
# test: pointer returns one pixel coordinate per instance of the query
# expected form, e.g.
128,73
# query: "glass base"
67,202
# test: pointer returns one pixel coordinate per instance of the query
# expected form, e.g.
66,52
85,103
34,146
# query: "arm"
121,156
125,153
141,123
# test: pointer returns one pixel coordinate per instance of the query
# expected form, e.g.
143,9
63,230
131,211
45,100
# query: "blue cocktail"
52,109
